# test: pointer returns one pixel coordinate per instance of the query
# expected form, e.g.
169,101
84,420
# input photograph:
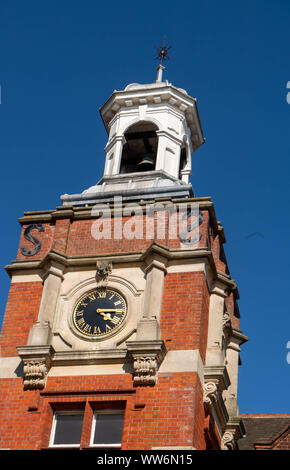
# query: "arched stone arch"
148,119
140,146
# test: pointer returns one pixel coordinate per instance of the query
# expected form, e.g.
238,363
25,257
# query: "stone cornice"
81,213
205,203
155,250
218,374
170,96
235,337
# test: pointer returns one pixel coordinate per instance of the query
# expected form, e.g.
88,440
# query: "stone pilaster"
148,327
53,276
214,354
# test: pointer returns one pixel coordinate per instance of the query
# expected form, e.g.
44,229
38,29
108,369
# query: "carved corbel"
36,364
211,394
147,357
228,441
145,369
216,381
35,372
227,323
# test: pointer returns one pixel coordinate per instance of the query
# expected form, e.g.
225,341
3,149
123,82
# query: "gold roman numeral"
81,322
102,294
92,296
87,328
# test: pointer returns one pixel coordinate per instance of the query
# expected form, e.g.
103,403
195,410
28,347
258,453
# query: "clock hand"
117,310
106,316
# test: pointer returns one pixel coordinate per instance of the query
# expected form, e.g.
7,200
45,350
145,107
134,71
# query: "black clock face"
99,312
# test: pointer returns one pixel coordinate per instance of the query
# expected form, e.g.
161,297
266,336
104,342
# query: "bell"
147,162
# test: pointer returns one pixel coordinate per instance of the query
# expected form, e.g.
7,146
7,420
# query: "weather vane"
162,55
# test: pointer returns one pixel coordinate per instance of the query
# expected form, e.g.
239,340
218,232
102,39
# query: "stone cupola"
152,131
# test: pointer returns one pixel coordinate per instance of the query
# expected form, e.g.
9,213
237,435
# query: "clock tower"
122,323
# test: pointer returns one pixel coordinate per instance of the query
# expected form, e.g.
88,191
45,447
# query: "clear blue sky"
61,60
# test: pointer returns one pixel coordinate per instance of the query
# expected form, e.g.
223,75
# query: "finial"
162,55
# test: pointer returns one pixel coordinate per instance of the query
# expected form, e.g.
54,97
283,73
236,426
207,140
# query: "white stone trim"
183,361
23,276
84,370
186,268
8,366
174,362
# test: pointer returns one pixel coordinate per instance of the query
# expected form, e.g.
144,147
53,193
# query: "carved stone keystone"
104,269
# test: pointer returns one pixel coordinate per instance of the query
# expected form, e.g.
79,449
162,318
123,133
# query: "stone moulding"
137,257
147,357
36,364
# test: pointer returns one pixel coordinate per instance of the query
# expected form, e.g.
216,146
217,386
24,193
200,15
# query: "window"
66,429
107,428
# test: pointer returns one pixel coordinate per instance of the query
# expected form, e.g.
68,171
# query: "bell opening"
140,150
182,161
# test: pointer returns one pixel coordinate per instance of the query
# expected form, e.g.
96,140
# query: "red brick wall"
21,313
61,234
75,237
166,414
184,316
45,238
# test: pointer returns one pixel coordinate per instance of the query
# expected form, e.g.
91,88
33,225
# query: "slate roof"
264,429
